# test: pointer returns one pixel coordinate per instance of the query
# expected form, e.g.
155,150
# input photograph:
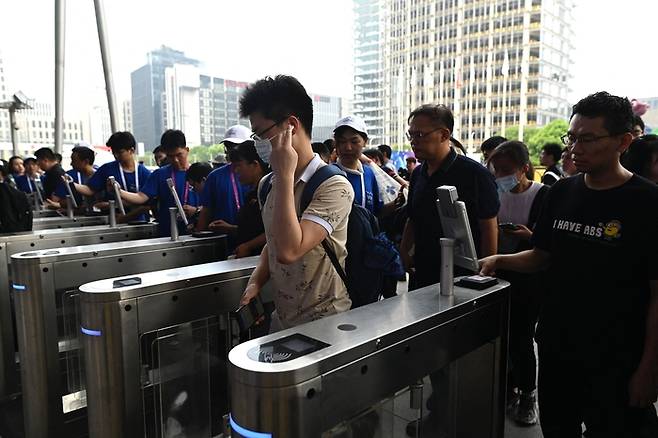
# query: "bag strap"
320,176
334,261
265,188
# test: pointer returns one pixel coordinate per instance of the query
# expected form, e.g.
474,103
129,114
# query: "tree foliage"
536,137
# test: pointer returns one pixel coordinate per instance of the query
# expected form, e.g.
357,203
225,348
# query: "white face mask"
264,148
507,183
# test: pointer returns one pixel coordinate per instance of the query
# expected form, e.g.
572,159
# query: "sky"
248,39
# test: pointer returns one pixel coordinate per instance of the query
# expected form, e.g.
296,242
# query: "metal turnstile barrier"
51,223
45,213
36,241
48,319
320,379
156,353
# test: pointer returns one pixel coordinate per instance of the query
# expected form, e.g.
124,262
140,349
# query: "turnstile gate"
156,352
50,223
46,304
317,380
35,241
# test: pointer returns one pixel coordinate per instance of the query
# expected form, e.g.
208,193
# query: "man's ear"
295,123
626,140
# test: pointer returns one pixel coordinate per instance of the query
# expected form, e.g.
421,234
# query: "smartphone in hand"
508,226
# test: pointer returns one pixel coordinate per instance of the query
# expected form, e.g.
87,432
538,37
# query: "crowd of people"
575,246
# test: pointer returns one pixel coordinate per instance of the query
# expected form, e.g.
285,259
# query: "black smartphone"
249,315
508,226
125,282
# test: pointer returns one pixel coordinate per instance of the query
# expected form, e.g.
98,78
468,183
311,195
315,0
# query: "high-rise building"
326,112
369,34
495,63
148,91
98,128
219,102
126,117
181,101
5,134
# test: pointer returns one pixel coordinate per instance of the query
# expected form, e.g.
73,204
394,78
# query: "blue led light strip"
19,287
246,433
90,332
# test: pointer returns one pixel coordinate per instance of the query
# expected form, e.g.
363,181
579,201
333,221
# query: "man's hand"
250,293
221,226
189,210
488,266
643,387
102,205
283,158
242,251
521,232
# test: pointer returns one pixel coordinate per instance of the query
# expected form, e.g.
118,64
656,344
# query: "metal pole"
447,263
12,129
60,27
113,214
107,65
69,206
173,218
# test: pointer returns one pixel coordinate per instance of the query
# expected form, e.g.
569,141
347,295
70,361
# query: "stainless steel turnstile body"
154,349
302,382
45,213
50,223
47,317
40,240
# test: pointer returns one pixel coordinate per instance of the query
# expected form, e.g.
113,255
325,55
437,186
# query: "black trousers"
573,389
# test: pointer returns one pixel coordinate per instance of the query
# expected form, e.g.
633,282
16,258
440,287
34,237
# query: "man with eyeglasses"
598,332
305,283
430,130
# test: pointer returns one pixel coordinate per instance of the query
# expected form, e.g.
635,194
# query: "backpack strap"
320,176
265,188
334,261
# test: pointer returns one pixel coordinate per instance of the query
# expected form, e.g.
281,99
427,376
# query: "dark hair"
85,153
458,144
637,121
246,151
197,172
639,155
385,150
120,141
158,150
58,157
373,153
172,139
439,114
616,111
330,144
492,143
553,149
10,163
278,98
412,159
45,154
29,160
320,148
514,150
342,129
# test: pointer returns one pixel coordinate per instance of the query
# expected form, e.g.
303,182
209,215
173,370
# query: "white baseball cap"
353,122
237,134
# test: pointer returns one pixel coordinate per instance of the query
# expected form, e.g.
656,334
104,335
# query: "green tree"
550,133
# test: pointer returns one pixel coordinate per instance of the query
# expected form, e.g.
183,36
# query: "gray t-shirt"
515,208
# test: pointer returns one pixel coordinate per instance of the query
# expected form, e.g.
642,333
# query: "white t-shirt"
515,208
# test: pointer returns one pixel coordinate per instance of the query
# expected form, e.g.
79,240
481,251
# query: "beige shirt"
310,288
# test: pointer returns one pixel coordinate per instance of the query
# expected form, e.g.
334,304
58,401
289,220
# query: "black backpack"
15,210
370,254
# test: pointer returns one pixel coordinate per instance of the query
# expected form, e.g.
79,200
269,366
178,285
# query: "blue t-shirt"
24,184
367,182
223,194
156,188
98,181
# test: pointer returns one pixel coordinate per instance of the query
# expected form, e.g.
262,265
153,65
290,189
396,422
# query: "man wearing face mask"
306,285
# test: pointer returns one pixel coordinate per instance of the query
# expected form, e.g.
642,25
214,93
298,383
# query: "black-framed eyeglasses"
416,135
257,135
570,140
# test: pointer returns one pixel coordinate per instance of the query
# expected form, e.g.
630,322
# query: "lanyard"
361,178
29,184
187,186
123,178
79,178
235,189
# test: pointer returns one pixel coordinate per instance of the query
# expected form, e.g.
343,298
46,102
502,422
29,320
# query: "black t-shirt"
250,221
52,179
551,176
475,186
603,246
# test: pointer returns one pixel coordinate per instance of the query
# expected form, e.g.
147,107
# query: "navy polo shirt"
223,194
476,187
